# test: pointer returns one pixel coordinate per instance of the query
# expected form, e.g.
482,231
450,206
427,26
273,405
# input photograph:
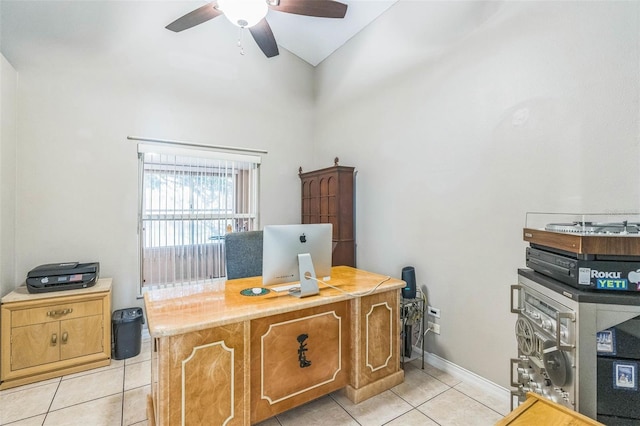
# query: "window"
189,199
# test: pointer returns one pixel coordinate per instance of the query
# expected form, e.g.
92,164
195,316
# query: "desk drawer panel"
56,312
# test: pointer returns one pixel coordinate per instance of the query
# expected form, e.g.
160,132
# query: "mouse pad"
249,292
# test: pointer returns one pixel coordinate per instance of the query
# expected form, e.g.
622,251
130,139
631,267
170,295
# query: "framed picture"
625,375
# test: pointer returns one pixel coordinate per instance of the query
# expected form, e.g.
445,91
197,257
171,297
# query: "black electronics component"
614,275
618,393
618,362
409,277
62,276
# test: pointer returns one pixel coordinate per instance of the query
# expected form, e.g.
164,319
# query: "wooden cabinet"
328,197
52,334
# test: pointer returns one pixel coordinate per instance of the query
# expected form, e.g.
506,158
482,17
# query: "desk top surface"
183,309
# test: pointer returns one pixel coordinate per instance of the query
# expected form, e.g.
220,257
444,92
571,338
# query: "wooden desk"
537,410
223,358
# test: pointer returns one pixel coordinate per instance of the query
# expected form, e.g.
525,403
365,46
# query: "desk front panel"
375,353
297,357
200,377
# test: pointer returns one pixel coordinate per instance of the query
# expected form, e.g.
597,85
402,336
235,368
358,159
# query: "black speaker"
409,277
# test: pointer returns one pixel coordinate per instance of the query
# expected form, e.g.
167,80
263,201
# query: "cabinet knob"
65,337
54,339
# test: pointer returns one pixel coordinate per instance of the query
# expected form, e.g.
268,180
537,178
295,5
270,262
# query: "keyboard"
286,287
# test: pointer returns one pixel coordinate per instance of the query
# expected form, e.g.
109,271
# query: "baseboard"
464,374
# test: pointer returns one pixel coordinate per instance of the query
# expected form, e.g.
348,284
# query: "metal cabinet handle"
515,394
514,377
59,312
559,316
515,289
65,337
54,339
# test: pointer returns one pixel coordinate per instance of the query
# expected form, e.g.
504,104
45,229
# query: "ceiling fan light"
244,13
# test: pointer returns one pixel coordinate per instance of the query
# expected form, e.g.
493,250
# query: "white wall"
462,116
8,141
77,174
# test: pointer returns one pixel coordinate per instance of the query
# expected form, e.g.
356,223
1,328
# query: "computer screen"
283,243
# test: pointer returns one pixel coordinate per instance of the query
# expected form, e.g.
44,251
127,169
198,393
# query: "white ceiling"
313,39
27,25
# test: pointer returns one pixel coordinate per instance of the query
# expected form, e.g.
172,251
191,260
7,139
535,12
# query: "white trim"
464,375
191,151
183,143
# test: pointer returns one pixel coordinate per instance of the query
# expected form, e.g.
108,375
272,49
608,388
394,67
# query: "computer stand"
308,282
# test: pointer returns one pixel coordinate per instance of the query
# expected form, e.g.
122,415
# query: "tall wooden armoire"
328,197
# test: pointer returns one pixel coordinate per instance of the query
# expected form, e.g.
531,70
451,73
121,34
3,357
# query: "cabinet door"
80,336
310,206
34,345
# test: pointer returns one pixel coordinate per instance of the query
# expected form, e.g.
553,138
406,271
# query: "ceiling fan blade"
319,8
193,18
263,35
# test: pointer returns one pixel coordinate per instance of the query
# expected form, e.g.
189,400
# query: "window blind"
189,199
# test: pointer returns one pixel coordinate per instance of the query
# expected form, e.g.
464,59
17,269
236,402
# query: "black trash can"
126,332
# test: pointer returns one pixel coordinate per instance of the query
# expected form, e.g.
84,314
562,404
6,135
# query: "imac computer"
293,253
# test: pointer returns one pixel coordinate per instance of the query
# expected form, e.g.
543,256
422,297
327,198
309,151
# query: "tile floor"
116,395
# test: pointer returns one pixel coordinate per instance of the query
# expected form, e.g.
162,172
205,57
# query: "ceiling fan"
251,14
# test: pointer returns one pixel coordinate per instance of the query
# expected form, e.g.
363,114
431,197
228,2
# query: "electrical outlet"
434,312
434,327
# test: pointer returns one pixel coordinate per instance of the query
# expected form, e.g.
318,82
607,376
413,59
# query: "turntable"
600,234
